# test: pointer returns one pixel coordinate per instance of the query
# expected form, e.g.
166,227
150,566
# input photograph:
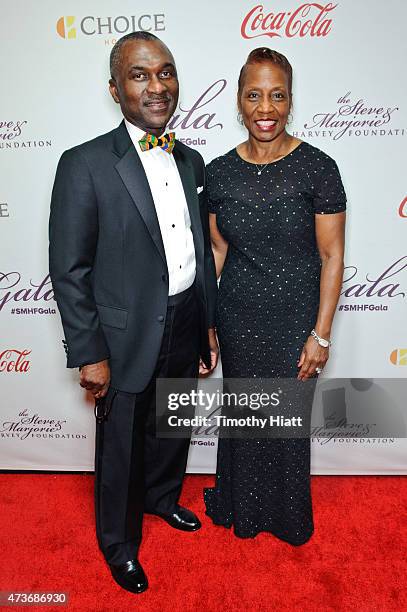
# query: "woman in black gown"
277,228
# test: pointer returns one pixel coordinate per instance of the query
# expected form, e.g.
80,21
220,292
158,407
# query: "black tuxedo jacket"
107,259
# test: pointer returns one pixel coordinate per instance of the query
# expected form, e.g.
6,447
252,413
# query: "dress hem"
219,523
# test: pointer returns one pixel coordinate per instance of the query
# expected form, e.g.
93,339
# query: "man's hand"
214,349
95,377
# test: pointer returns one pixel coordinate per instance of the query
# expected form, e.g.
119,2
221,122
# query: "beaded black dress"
267,305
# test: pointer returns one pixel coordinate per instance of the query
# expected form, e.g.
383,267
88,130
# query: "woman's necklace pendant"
261,168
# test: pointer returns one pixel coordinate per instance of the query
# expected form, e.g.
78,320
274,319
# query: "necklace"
263,167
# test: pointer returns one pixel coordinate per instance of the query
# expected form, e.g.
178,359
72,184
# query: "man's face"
146,85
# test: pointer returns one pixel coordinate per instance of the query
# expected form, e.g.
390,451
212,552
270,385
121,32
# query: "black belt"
178,298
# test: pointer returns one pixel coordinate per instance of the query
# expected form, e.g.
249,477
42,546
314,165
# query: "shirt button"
163,278
173,225
160,318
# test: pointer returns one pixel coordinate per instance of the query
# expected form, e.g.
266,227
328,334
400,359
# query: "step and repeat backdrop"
350,100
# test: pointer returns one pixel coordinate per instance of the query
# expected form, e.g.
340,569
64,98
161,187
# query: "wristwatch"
321,341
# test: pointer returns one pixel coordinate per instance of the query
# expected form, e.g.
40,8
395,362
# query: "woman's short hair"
264,54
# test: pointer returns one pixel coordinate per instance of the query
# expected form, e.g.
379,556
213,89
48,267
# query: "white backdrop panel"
348,65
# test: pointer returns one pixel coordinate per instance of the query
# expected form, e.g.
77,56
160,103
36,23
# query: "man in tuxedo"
134,279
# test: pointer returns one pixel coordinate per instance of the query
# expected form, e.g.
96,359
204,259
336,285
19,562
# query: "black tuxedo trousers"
136,471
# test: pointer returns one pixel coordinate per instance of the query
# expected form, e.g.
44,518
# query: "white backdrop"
350,100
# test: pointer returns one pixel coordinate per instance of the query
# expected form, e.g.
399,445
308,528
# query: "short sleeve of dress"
329,194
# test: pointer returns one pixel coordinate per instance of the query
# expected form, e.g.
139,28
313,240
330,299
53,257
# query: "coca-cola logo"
308,19
13,289
14,360
403,208
385,284
353,117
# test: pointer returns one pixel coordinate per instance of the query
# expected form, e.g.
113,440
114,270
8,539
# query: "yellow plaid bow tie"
166,142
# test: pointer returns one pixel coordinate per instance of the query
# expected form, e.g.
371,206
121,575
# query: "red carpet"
356,559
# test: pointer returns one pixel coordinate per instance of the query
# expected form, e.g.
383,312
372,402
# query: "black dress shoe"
130,576
181,518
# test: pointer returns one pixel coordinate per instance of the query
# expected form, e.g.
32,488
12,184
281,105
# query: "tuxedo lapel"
135,180
187,175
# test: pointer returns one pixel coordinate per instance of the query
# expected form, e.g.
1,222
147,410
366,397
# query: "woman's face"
265,100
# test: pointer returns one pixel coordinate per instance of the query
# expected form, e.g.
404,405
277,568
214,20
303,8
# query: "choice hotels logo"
64,27
403,208
67,27
308,19
398,357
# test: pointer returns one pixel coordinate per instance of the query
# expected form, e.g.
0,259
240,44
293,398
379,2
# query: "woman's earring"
240,118
289,118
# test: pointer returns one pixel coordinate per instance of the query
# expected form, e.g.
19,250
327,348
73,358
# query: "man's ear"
113,90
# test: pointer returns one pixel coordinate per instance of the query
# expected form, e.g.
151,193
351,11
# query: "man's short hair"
115,53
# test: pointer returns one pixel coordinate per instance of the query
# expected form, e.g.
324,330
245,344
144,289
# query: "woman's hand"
313,356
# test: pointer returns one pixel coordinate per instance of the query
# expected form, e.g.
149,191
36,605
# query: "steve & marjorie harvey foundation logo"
354,116
16,133
26,425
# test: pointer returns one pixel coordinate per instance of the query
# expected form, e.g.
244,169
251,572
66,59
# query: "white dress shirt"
172,212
